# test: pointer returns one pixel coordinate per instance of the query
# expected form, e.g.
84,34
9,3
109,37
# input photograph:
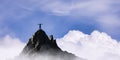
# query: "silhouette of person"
39,26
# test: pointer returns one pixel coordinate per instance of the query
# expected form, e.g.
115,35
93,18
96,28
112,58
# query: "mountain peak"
40,44
40,36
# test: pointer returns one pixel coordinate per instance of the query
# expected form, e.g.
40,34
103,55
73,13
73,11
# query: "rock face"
40,44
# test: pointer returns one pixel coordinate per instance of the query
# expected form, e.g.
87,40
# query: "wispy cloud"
87,8
104,12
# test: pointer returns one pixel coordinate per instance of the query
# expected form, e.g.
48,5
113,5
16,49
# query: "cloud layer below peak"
96,46
10,47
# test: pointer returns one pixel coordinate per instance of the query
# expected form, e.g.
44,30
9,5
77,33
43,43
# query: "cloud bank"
10,47
96,46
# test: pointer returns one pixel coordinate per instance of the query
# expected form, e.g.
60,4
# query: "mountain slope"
41,44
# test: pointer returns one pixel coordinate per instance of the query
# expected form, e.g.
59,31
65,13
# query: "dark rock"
40,44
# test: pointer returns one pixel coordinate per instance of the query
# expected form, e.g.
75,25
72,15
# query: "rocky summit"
41,44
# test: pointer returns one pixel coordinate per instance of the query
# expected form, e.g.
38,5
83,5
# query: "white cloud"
87,7
10,47
96,46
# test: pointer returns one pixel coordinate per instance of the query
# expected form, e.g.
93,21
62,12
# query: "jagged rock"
41,44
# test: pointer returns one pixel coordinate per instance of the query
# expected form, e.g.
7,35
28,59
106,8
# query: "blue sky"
20,18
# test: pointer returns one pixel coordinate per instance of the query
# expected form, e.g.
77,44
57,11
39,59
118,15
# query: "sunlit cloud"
96,46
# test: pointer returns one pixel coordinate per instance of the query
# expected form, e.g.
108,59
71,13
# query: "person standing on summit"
39,26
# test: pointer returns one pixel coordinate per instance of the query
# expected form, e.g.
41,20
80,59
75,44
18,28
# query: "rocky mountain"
41,44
